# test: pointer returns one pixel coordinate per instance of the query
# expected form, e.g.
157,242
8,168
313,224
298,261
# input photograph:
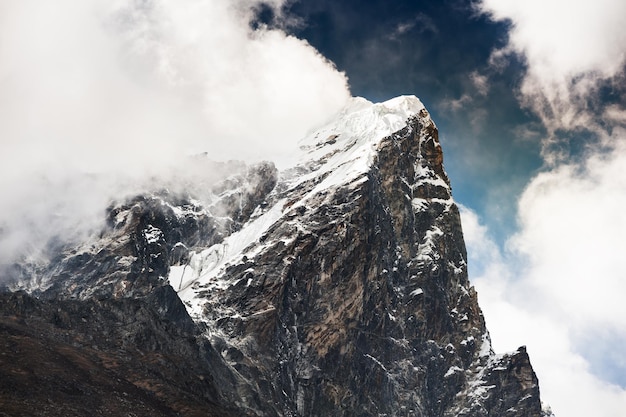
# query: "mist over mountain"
99,99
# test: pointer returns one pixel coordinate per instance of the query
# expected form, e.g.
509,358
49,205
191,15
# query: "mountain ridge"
337,286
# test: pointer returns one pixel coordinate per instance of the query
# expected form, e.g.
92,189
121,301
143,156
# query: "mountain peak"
337,286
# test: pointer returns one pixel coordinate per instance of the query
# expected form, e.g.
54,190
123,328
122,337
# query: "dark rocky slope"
337,287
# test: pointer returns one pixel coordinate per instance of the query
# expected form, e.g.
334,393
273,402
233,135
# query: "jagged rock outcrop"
336,287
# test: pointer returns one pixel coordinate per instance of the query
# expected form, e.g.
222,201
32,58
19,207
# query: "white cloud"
510,300
572,231
570,47
563,38
614,114
162,75
564,276
126,88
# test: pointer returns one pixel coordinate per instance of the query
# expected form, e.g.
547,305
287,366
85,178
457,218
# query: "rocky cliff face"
336,287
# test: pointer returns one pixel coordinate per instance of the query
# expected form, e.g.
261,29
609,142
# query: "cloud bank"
96,94
523,305
558,286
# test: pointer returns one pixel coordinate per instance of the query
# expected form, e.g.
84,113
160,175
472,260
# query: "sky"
101,97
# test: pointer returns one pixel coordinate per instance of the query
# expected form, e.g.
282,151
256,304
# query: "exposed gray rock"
337,287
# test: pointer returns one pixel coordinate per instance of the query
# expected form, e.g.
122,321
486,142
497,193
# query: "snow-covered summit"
354,269
338,153
359,124
343,149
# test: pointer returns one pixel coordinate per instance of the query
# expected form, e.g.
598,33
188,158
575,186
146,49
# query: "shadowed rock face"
105,357
338,287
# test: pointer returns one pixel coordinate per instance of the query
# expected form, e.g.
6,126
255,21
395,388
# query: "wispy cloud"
571,50
480,82
456,104
419,23
477,88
